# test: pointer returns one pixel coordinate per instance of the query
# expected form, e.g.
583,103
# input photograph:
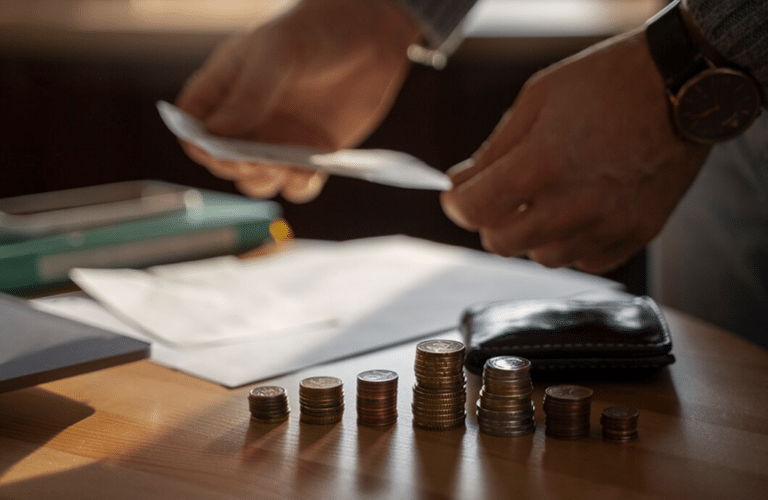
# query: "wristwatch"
710,102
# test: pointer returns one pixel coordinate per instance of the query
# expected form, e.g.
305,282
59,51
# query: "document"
237,321
382,166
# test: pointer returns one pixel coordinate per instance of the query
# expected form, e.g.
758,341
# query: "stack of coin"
619,424
440,392
268,404
377,398
505,408
567,411
321,400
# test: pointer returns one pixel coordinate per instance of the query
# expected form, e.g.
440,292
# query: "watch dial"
716,105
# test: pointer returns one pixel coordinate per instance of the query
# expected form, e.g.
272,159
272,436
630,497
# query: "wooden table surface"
143,431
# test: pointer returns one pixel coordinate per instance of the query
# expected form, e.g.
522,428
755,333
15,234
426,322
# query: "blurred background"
79,80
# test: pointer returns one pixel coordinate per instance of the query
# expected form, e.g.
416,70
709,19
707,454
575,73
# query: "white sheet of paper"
381,291
382,166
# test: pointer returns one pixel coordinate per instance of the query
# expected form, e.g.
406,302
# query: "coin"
567,411
268,404
568,392
439,395
619,414
504,408
321,400
320,384
619,424
377,376
508,363
319,420
377,398
441,347
266,391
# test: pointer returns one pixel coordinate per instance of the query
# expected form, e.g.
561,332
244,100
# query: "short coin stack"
619,424
321,400
505,408
268,404
440,392
567,409
377,398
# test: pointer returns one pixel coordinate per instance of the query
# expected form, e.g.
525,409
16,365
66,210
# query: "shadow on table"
34,416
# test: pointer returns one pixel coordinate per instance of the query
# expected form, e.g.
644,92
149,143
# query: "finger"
196,153
566,252
610,258
205,89
498,190
462,171
225,169
524,233
302,186
552,221
266,185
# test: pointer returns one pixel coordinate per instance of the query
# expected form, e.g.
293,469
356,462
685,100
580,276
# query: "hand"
322,75
584,169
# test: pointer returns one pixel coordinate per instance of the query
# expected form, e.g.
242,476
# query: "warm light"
542,18
174,15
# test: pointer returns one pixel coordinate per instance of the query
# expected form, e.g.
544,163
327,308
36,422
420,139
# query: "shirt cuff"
440,21
738,31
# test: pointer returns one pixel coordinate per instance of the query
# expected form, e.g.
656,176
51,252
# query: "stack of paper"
237,321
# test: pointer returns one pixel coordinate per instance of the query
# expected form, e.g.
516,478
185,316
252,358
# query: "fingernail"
461,166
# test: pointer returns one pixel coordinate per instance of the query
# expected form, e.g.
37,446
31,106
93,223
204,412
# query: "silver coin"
377,376
508,363
441,346
321,383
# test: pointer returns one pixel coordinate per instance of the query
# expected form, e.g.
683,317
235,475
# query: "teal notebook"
203,224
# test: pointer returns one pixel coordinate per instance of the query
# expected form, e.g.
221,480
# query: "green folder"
206,224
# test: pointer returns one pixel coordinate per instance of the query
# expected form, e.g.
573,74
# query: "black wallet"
626,334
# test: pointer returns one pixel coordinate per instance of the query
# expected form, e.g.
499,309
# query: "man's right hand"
322,75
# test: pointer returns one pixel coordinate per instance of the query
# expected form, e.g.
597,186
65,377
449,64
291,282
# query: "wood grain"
141,430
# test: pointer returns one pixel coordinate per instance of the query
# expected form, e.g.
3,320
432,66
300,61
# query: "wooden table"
143,431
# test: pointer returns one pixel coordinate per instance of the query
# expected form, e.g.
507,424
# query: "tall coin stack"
567,409
377,398
505,408
321,400
268,404
440,392
619,424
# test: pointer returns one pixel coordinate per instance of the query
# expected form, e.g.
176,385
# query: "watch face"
716,105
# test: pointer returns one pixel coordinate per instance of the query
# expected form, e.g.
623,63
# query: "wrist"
382,28
710,102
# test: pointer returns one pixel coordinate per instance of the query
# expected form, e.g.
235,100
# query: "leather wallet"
626,334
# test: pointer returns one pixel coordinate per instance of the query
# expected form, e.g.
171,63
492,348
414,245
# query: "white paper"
213,302
379,292
375,165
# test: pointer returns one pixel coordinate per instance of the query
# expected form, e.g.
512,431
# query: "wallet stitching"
572,346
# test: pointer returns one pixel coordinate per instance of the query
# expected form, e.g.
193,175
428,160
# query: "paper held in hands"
375,165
